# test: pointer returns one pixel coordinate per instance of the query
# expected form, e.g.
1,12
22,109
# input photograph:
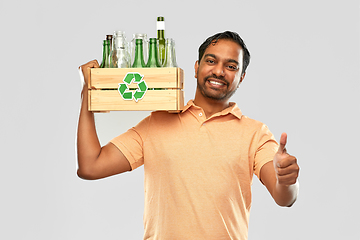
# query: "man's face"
219,71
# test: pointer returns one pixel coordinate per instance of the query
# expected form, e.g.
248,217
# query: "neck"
210,106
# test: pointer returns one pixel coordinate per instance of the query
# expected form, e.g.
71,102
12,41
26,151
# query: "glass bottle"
120,57
106,54
139,57
170,57
144,37
160,26
153,61
109,37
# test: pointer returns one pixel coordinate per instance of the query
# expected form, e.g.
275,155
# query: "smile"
217,83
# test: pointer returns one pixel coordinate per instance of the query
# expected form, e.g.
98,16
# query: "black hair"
229,36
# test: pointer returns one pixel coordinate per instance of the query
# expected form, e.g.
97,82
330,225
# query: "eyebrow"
228,60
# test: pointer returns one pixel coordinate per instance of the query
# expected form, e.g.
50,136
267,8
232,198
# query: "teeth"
216,83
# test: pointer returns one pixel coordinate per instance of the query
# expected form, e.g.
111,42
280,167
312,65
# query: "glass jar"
120,57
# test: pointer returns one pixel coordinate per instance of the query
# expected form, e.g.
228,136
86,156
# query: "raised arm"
280,176
94,161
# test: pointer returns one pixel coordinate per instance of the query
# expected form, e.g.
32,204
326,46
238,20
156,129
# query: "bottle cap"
160,18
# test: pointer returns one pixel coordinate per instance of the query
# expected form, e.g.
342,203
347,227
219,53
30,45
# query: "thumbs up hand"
286,167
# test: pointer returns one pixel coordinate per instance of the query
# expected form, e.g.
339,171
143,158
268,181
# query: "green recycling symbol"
140,91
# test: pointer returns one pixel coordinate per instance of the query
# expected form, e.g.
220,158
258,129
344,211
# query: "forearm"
284,195
88,145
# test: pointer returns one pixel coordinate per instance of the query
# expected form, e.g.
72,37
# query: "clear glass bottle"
170,57
160,27
106,54
153,61
145,39
120,57
139,57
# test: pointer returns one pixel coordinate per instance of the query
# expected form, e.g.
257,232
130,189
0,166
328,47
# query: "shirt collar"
232,109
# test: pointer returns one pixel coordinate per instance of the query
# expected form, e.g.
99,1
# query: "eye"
232,67
210,61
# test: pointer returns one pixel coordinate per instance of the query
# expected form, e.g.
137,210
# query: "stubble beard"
220,95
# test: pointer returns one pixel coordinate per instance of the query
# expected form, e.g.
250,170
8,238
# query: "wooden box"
125,89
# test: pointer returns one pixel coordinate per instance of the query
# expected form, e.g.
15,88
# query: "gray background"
303,79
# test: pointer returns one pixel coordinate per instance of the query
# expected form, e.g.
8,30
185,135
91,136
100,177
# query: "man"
199,163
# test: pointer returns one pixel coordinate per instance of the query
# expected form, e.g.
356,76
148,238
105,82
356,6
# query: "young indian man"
199,163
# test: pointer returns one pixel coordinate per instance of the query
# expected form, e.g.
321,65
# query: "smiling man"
219,72
199,163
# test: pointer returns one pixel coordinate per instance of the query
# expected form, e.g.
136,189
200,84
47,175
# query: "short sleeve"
131,143
266,149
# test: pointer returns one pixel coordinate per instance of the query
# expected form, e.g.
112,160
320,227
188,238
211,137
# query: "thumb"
283,140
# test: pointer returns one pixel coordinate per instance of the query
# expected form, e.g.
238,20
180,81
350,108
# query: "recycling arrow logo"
138,94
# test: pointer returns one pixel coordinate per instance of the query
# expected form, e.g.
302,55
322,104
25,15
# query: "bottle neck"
109,38
170,60
153,57
106,54
119,41
139,56
119,57
107,46
160,26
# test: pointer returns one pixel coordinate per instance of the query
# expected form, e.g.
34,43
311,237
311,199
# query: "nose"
218,70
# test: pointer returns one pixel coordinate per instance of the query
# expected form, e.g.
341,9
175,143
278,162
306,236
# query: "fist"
286,167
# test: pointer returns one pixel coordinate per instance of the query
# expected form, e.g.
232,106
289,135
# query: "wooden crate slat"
111,100
109,78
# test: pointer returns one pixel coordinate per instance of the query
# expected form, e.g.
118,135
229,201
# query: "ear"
241,78
196,67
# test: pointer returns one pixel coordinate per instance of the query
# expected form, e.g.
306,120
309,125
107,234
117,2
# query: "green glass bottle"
106,55
160,26
153,61
139,56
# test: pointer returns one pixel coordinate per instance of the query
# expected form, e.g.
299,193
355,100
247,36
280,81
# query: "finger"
92,64
287,161
288,179
283,140
95,64
85,68
288,170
